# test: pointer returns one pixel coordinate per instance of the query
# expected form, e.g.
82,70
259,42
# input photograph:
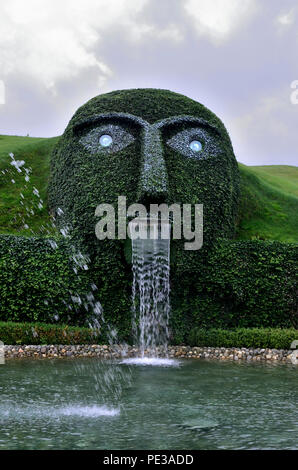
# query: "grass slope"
17,212
268,209
283,177
269,203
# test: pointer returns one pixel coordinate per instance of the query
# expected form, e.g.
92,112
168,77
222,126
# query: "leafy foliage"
81,180
38,283
239,284
42,333
226,284
272,338
268,210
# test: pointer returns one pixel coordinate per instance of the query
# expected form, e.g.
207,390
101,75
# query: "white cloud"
267,129
267,114
150,32
218,19
287,19
55,40
172,33
2,92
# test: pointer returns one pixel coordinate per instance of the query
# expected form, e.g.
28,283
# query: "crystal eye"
192,142
195,146
105,140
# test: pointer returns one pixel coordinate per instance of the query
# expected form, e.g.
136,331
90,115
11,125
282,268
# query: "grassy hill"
283,177
268,208
19,204
269,203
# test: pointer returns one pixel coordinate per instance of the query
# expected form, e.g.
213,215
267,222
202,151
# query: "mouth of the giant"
163,229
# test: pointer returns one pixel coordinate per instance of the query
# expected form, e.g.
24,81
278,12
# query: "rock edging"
114,351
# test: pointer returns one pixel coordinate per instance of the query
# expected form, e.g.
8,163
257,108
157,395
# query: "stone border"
107,352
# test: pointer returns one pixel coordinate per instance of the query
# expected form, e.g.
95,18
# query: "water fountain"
151,289
76,404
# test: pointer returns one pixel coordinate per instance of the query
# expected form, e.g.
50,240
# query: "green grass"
269,203
268,209
283,177
15,211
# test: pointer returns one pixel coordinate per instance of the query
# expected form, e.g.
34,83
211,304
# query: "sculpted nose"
153,186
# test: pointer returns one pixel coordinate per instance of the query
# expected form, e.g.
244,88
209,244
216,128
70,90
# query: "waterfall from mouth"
151,286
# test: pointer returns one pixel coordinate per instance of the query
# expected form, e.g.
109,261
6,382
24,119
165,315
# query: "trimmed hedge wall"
272,338
239,284
41,333
36,280
38,283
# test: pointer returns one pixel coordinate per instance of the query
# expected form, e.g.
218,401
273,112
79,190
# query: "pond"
191,404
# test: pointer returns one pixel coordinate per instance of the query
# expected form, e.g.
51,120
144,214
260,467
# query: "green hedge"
38,283
240,284
274,338
41,333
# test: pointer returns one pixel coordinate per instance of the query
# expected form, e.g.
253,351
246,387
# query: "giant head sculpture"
151,146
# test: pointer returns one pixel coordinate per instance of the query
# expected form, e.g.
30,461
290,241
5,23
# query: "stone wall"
104,351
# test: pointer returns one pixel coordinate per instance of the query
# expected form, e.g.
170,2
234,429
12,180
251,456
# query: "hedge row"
238,285
273,338
38,284
42,333
37,281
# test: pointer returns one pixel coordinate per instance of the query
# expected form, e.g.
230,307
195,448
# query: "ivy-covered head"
151,146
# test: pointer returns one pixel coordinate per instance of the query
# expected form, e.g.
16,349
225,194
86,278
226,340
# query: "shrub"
276,338
38,284
42,333
239,285
36,281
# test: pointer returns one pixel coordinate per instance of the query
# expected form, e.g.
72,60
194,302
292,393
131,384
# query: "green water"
63,404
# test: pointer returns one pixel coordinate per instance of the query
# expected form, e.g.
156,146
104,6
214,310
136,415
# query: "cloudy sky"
237,57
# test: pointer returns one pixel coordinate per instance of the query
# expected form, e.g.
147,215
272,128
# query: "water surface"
192,404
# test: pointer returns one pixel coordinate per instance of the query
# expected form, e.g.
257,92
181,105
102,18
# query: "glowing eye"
105,140
195,146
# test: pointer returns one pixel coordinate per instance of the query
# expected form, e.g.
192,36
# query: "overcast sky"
237,57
